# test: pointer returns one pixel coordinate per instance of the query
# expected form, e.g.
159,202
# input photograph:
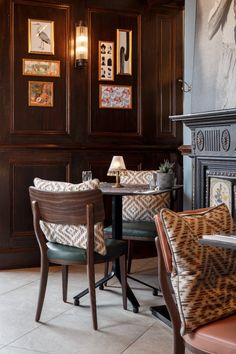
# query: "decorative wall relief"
40,36
214,71
115,96
124,52
105,60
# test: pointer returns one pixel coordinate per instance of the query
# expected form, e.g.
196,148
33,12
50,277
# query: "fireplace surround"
213,153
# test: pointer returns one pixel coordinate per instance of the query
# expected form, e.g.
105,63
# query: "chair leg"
123,275
64,282
129,256
91,276
179,346
42,288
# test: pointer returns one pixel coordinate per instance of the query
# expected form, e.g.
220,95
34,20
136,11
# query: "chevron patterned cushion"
203,278
72,235
142,207
58,186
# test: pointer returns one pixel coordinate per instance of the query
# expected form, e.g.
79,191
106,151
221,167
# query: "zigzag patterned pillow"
71,235
58,186
203,278
142,207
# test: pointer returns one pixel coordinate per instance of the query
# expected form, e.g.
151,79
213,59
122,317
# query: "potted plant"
165,175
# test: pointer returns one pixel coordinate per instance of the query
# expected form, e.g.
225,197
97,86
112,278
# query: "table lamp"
117,165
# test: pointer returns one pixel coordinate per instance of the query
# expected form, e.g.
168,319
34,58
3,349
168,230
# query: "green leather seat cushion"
115,248
136,229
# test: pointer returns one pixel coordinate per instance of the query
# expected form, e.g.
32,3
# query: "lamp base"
81,63
117,185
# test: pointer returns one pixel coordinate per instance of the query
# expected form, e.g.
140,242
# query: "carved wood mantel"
213,150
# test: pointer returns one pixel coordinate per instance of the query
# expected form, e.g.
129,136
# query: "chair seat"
216,337
143,230
115,248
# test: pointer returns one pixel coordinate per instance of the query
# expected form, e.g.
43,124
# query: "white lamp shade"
117,164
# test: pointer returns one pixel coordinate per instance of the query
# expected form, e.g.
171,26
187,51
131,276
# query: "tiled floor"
66,329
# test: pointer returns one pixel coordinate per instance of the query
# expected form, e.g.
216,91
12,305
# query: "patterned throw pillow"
142,207
58,186
203,277
72,235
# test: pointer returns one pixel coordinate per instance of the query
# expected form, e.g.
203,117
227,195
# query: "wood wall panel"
39,120
161,34
121,122
59,143
18,171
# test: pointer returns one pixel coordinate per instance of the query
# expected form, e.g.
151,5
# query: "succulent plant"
166,167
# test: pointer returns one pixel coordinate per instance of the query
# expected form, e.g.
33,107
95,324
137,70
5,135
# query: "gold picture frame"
40,36
115,96
34,67
40,93
124,52
105,61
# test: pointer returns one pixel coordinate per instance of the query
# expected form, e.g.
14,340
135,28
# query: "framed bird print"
40,36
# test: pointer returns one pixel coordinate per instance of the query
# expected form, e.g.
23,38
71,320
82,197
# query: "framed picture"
124,52
34,67
40,93
40,36
105,60
220,192
115,96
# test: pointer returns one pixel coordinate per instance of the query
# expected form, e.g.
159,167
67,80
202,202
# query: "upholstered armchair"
198,282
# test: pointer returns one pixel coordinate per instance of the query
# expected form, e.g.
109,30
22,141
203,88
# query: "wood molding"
185,149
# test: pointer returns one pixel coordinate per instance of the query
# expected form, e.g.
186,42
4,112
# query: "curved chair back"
68,207
198,340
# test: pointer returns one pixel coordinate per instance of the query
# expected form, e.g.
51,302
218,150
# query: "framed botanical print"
115,96
124,52
40,36
105,60
40,93
34,67
220,192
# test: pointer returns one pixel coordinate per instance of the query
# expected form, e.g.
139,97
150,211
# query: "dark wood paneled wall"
75,134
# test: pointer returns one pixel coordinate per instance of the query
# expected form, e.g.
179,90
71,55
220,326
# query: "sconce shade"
117,165
81,45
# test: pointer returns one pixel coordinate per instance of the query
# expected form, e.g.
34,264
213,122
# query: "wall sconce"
117,165
81,45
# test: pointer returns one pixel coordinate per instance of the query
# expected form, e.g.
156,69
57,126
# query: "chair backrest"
67,208
142,207
193,266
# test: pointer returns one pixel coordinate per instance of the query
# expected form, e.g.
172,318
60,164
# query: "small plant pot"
165,180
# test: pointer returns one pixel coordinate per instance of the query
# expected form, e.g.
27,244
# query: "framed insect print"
115,96
40,36
105,60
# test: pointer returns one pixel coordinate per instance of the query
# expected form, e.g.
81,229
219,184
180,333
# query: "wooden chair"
73,208
216,337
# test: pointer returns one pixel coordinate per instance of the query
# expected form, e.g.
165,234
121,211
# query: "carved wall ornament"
200,140
225,140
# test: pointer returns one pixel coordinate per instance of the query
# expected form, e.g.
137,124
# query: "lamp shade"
81,45
117,165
